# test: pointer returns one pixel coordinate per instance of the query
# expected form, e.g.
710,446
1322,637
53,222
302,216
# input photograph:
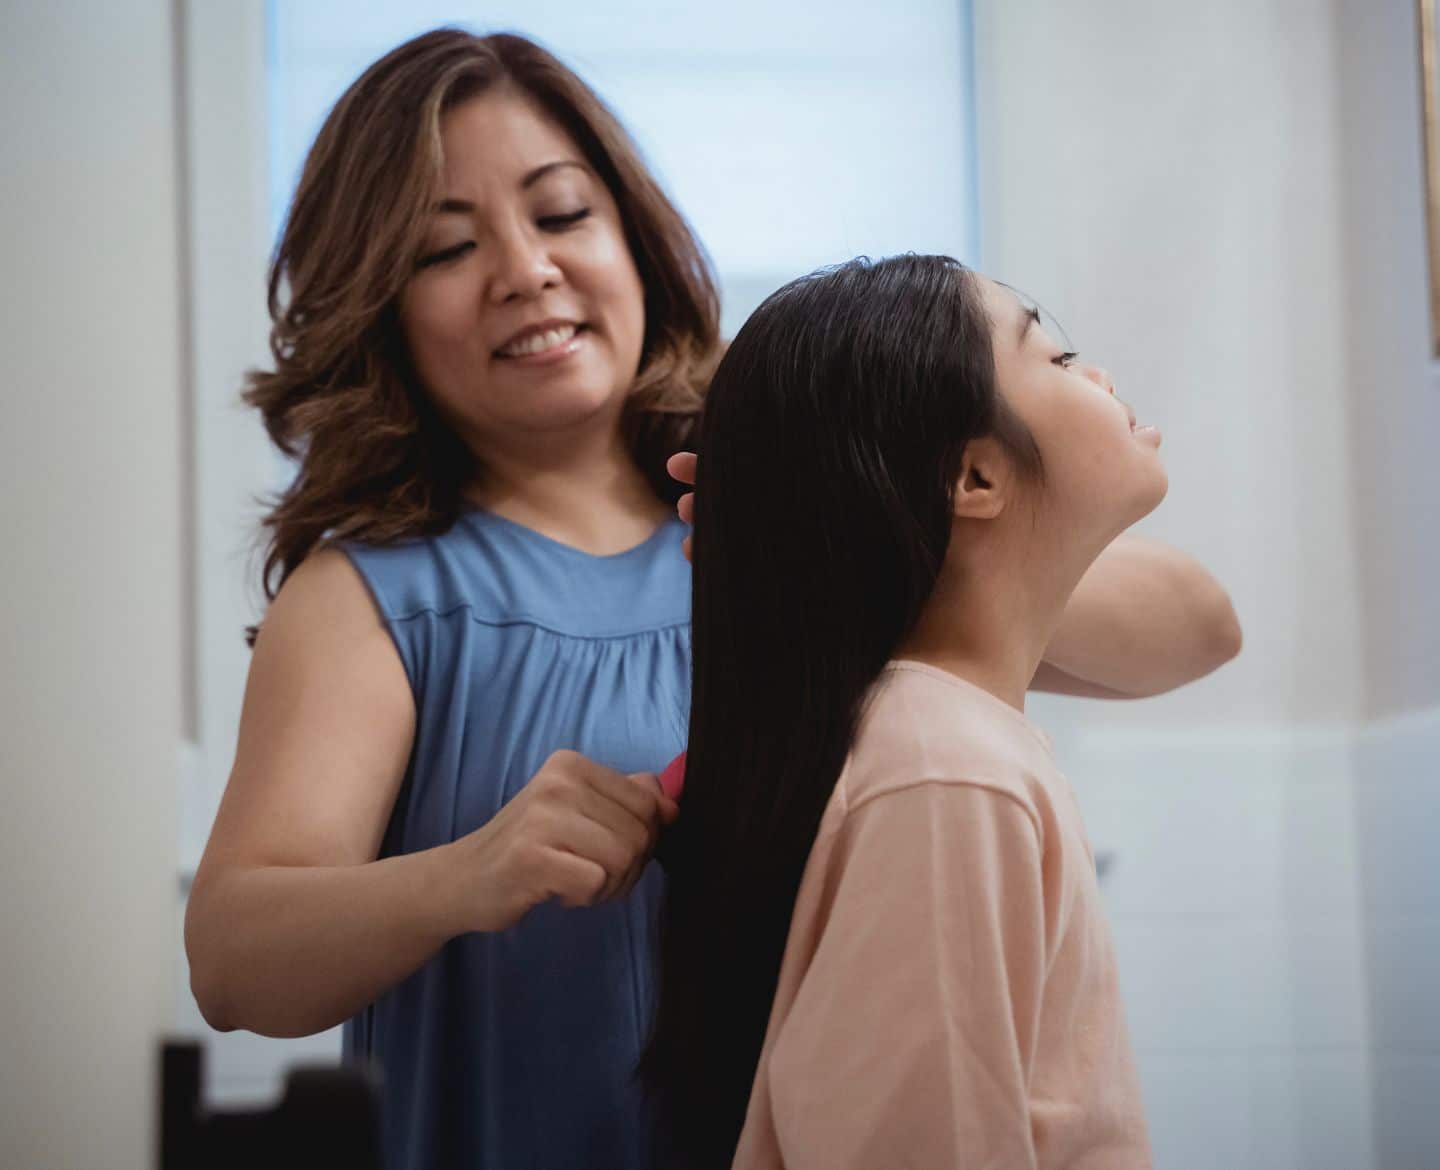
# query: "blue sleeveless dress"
516,1050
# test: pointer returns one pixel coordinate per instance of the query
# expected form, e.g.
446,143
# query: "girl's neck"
587,493
994,612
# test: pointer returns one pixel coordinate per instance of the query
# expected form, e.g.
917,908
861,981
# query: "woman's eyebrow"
540,172
466,207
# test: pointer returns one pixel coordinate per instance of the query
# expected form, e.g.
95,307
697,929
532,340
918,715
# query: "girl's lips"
1149,435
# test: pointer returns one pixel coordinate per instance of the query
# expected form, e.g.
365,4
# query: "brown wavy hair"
376,463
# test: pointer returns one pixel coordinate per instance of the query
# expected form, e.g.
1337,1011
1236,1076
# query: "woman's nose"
523,269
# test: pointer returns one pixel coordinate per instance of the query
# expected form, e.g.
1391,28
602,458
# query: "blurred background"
1224,203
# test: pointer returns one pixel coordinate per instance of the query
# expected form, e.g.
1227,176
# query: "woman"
491,330
883,941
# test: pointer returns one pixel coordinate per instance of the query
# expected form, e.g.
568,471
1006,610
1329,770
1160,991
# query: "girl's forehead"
1002,306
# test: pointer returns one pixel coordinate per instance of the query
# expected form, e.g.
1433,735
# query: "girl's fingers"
686,508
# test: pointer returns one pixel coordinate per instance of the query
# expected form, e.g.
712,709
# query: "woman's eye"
559,222
446,254
1065,359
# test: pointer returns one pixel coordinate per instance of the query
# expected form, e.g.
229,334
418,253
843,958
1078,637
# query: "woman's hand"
682,466
578,831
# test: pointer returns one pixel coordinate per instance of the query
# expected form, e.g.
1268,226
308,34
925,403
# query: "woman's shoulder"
503,574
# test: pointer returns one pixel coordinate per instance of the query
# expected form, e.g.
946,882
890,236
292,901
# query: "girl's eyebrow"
1030,317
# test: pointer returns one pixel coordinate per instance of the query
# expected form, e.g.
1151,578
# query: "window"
789,136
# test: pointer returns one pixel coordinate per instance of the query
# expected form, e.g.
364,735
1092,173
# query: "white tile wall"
1407,1110
1234,904
1397,800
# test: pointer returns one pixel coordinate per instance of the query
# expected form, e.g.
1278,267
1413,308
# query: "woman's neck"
588,493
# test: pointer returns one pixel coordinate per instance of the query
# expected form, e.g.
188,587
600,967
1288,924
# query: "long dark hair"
376,462
830,442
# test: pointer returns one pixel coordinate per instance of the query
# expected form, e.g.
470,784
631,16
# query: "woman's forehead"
502,132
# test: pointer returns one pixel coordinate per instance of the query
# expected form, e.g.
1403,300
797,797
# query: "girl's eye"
1065,359
560,222
445,255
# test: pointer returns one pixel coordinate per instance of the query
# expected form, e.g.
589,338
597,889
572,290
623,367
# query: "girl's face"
525,316
1102,472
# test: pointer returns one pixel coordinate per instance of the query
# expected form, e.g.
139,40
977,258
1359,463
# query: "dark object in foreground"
327,1116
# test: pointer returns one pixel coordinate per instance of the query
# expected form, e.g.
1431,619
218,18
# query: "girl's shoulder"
922,725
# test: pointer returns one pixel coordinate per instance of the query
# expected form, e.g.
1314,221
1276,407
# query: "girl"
883,942
491,329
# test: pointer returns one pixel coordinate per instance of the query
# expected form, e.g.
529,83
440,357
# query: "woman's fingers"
622,818
682,465
667,805
575,880
579,832
639,799
597,843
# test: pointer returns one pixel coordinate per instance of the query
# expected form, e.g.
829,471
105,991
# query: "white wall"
1393,387
90,525
1394,401
1221,202
1162,178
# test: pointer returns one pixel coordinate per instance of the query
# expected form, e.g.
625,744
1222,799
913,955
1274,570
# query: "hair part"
831,441
376,462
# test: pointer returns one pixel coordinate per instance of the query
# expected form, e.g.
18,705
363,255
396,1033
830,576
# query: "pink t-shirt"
948,996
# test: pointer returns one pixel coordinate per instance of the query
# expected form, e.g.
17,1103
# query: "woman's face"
1102,471
525,316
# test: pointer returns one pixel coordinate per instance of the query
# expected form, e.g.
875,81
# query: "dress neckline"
486,517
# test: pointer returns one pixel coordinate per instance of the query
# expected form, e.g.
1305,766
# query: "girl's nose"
1101,377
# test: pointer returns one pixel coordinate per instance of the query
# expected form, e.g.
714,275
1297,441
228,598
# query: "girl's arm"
1145,619
911,1036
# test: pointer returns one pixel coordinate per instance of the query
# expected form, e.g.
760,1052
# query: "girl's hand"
578,831
682,466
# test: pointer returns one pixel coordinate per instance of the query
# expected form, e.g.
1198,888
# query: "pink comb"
672,780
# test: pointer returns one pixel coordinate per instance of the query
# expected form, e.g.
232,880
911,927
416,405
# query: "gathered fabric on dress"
517,1049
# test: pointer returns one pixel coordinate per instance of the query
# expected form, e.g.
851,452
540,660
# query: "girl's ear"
986,477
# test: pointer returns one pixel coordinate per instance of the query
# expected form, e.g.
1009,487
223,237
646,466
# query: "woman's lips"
557,351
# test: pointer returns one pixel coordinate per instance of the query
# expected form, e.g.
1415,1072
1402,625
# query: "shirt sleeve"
912,1035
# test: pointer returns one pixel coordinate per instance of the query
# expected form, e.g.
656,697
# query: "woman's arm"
288,929
1145,619
292,924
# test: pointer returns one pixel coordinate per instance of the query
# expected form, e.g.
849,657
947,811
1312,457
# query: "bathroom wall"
90,474
1221,202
